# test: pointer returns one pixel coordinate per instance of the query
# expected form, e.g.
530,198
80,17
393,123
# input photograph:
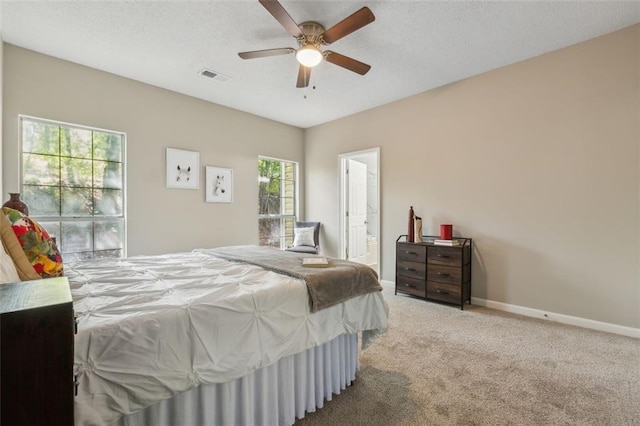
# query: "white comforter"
151,326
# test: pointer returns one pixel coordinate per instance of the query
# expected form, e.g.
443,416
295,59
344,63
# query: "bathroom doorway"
360,206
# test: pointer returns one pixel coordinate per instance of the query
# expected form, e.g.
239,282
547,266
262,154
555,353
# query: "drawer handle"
409,285
409,269
443,274
442,291
411,252
445,256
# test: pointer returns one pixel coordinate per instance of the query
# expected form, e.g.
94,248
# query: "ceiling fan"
310,36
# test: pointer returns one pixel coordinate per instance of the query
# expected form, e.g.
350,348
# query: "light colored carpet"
438,365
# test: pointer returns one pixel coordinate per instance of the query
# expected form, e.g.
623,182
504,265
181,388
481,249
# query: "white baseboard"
564,319
551,316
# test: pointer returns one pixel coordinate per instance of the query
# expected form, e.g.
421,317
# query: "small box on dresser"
434,272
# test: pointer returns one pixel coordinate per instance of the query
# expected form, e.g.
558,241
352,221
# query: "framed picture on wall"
219,185
183,169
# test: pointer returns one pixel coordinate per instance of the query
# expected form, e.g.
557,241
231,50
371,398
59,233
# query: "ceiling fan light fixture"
309,56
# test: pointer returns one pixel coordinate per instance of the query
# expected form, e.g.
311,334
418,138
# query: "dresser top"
34,294
429,240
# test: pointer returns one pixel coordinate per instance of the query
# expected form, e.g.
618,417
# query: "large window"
277,201
72,179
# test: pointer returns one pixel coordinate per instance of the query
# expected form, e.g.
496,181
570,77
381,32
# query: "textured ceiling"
412,46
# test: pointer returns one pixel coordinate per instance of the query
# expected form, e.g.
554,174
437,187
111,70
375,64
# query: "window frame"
284,242
93,219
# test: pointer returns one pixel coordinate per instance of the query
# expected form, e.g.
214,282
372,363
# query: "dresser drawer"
411,252
411,269
444,274
451,256
410,286
443,292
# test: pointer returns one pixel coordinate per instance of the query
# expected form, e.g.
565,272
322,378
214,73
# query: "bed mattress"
152,326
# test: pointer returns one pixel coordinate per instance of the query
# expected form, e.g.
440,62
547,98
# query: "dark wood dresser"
434,272
36,353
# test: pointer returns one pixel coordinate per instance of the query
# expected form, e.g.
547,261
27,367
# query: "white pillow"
8,271
303,237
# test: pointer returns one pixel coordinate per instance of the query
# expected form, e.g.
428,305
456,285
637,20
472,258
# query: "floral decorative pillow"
38,246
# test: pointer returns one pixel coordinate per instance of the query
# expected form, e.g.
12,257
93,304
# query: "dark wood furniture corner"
36,353
434,272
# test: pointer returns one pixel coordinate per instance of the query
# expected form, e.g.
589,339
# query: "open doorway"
360,207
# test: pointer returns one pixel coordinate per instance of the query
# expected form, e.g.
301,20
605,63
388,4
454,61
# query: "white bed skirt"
273,395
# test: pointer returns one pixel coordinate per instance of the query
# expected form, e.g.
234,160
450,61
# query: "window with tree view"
276,202
73,182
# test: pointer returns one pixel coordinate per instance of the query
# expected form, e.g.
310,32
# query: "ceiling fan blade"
347,62
281,15
264,53
348,25
304,74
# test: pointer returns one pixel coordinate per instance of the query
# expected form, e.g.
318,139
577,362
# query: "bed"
236,335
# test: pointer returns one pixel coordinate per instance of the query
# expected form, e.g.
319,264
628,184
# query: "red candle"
446,232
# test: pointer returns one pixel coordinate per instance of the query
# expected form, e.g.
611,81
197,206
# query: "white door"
357,213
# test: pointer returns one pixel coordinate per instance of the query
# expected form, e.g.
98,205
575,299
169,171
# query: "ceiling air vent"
213,75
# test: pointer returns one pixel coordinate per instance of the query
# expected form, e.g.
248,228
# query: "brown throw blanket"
338,282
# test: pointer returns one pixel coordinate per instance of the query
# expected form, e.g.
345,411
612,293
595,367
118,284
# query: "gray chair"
315,249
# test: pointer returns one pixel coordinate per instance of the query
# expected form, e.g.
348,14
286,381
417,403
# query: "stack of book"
449,243
315,262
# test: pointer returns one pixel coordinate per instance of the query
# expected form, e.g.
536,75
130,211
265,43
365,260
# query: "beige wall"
1,126
1,66
159,219
1,86
538,162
